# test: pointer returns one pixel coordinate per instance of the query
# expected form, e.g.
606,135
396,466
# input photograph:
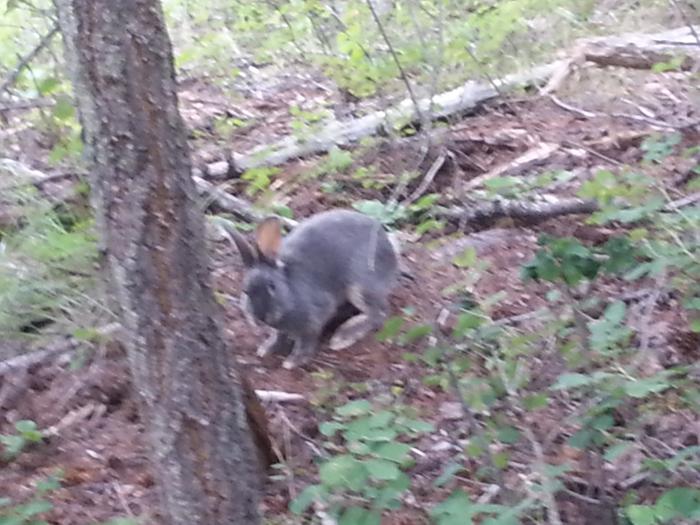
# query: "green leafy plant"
14,444
46,268
29,513
676,503
259,178
365,475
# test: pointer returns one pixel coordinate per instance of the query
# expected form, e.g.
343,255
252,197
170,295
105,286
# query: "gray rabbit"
297,284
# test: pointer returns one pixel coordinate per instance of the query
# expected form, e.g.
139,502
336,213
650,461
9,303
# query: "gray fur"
333,257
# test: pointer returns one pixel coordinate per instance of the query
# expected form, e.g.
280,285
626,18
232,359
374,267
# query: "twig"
645,323
288,23
234,205
32,358
70,419
581,324
24,61
122,500
427,180
27,360
538,154
26,104
593,152
548,494
275,396
687,21
572,109
640,118
395,57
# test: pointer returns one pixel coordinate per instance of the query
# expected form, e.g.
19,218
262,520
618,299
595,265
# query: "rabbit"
297,284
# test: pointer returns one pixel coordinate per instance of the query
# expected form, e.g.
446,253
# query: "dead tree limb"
523,162
235,205
26,59
460,100
643,51
485,214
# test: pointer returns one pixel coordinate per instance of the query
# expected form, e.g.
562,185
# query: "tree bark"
193,401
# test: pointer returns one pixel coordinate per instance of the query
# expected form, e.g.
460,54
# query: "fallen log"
235,205
644,51
484,214
457,101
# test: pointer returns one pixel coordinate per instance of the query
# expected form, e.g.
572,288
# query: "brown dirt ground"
102,454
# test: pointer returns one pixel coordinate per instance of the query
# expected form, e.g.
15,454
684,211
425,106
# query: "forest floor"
102,453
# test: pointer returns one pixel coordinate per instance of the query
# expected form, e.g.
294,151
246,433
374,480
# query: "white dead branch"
624,50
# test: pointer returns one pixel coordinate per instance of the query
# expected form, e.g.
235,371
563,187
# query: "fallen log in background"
467,97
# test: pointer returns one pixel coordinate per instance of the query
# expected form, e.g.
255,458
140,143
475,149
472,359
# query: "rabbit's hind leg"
373,306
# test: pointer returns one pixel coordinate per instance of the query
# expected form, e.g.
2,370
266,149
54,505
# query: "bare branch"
26,60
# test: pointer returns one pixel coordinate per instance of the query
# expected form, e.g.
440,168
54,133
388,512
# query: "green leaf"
370,434
307,496
643,387
457,504
415,333
500,459
582,438
340,471
29,431
13,444
391,329
535,401
63,110
36,507
359,516
49,484
388,495
329,428
695,325
641,515
508,435
381,469
416,425
381,418
394,451
603,422
680,501
467,321
46,86
354,408
448,473
617,450
615,312
425,202
466,259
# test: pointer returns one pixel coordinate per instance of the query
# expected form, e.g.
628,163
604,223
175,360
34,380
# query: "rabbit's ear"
247,253
268,237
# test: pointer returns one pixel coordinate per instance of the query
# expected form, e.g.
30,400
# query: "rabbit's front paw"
304,349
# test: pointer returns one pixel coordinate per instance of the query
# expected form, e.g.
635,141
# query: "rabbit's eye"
271,288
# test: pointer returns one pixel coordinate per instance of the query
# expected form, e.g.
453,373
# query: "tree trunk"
193,403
